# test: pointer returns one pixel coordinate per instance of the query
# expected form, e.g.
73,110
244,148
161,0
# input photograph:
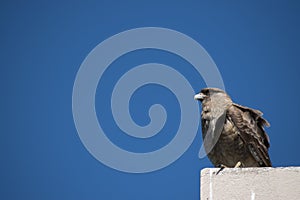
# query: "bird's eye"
204,92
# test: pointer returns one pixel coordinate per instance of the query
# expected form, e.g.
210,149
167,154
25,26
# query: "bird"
233,135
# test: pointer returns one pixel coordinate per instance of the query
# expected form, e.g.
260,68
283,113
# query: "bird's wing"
257,114
250,124
260,121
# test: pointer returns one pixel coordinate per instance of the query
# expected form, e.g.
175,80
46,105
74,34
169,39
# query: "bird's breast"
229,148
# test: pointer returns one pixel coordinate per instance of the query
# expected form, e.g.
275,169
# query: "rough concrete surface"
250,183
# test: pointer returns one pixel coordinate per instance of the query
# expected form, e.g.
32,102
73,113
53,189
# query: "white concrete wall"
251,183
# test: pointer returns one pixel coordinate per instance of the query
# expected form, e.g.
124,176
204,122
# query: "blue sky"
254,44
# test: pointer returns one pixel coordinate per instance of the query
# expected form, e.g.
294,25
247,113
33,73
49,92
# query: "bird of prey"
233,135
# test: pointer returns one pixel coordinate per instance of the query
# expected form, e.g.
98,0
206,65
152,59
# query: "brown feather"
241,136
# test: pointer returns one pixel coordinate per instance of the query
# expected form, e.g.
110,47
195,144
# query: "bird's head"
213,95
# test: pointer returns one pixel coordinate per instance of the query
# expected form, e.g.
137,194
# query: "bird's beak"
199,96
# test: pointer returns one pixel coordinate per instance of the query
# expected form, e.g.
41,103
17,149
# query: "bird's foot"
221,166
238,164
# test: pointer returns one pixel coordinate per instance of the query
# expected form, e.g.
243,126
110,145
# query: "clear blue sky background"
42,44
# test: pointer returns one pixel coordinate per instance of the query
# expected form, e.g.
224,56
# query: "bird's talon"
238,164
221,166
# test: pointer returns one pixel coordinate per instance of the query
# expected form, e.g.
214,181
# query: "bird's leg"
238,164
221,166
